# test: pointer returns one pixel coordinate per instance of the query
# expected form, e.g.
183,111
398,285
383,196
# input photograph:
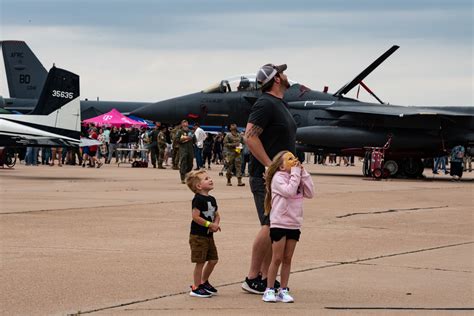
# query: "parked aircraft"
26,76
332,123
56,119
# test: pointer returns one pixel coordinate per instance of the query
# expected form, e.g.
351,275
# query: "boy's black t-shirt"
207,206
279,129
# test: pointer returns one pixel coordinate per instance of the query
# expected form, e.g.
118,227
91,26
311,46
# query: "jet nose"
162,111
170,111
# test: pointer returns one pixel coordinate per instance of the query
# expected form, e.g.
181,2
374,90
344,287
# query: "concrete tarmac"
114,241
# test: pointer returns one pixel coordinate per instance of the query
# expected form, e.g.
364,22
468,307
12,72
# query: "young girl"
287,183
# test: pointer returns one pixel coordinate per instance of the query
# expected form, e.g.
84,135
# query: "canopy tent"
113,118
139,119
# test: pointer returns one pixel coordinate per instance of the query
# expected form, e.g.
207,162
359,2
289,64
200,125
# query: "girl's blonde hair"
274,167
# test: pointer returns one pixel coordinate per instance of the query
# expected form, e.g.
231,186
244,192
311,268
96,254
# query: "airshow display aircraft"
56,119
332,123
26,76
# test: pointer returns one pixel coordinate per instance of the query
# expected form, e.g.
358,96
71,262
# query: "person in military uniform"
185,139
175,146
161,140
233,143
154,150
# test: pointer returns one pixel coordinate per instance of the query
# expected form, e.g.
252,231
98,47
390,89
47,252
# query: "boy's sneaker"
269,296
255,286
209,288
284,296
199,292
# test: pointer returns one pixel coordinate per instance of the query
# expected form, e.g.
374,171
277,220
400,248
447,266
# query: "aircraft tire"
391,166
412,168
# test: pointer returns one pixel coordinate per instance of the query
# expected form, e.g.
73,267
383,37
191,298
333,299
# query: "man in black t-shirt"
123,142
113,137
270,129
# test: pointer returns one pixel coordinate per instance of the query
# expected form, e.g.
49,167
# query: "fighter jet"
56,119
332,123
26,76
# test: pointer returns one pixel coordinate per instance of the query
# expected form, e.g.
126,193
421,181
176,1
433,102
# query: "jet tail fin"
58,110
25,73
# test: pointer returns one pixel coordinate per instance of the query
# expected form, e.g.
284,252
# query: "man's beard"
285,83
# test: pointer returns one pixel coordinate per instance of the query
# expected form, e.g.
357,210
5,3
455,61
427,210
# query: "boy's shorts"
276,234
202,248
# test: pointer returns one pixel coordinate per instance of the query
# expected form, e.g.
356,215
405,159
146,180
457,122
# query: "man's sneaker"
269,296
199,292
284,296
209,288
276,285
254,286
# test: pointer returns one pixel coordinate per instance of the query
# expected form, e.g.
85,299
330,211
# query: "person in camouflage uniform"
185,138
153,137
175,146
161,139
233,143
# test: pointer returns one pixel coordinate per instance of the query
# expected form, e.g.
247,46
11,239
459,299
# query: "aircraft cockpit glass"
238,83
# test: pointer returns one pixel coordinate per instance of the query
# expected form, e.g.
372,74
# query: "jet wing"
400,111
12,132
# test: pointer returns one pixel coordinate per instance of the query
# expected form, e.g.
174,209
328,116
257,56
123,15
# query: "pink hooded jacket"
288,191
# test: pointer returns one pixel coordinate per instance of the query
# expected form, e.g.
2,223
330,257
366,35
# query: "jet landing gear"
411,168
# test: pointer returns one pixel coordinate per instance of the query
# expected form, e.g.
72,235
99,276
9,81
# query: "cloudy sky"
152,50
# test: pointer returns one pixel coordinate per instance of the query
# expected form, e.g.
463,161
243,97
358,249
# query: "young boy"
205,222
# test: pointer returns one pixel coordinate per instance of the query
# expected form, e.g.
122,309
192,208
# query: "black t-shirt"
207,207
279,129
133,136
114,137
124,135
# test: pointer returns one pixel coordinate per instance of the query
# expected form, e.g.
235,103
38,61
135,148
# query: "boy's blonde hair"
192,179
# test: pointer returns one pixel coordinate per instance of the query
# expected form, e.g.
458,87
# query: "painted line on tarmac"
293,272
103,206
404,308
395,211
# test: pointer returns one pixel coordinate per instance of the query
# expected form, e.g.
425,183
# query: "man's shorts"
276,234
202,248
257,186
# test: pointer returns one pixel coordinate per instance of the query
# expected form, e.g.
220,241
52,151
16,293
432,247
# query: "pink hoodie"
288,191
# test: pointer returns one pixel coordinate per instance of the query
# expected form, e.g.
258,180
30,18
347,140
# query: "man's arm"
252,133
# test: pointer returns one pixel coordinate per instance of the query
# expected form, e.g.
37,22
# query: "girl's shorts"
278,233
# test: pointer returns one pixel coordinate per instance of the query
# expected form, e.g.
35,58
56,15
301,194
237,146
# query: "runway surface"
114,241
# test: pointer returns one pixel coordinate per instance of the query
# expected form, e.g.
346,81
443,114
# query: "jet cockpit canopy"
237,83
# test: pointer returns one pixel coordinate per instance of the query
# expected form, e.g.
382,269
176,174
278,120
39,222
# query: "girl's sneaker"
284,296
269,296
199,292
209,288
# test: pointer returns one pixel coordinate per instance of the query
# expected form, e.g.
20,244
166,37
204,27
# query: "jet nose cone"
159,111
172,110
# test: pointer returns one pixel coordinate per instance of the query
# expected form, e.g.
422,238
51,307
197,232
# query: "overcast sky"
153,50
